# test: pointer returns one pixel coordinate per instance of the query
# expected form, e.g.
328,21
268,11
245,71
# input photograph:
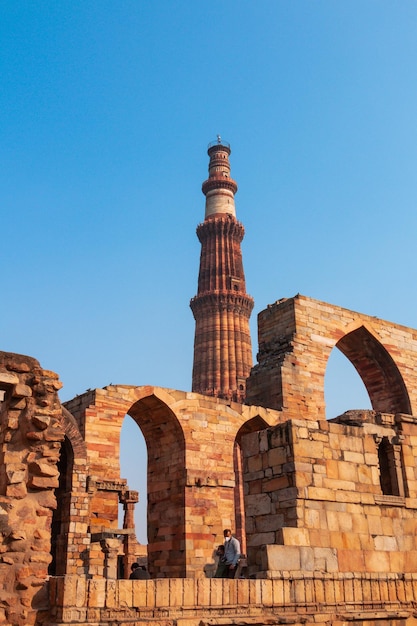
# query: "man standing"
231,553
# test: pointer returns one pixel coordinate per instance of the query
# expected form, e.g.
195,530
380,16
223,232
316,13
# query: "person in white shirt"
231,553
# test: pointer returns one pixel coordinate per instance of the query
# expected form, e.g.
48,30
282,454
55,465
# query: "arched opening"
377,371
61,515
165,486
387,471
133,467
253,425
343,387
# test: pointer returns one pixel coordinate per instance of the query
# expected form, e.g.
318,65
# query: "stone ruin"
325,509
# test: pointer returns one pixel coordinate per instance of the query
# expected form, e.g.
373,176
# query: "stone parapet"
330,599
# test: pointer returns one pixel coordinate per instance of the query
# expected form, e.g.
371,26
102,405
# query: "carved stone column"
129,499
110,548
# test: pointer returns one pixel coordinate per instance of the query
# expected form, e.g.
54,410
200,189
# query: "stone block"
8,378
351,560
278,558
258,504
307,560
326,560
124,593
216,591
111,595
308,449
96,594
162,592
354,457
376,561
259,539
277,456
318,493
295,536
385,543
21,391
268,523
254,463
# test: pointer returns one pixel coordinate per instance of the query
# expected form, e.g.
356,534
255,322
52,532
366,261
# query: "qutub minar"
325,509
221,308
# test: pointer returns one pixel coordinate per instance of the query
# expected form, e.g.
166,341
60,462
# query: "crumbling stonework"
31,436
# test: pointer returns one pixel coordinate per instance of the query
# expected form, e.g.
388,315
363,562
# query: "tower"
221,308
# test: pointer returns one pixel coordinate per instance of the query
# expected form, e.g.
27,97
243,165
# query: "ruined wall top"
296,337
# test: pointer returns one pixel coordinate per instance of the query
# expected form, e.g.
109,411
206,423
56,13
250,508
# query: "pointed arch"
254,424
166,491
343,387
377,369
72,449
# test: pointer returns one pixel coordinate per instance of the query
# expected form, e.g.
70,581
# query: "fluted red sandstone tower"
221,308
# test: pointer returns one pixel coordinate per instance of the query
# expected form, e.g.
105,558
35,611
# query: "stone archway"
165,483
377,370
251,426
296,337
68,550
191,479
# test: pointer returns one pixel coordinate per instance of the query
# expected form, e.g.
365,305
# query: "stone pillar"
129,499
398,468
110,548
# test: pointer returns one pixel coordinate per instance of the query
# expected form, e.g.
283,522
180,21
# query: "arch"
343,387
166,485
377,369
71,488
72,432
387,475
392,476
254,424
133,468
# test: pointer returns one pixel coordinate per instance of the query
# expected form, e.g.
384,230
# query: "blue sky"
106,110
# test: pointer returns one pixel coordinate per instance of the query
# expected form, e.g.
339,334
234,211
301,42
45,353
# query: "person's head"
134,566
227,533
220,549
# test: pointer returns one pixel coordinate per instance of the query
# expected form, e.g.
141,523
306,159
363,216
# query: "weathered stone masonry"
31,436
328,514
296,336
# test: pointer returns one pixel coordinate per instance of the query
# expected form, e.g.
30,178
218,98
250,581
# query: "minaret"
221,308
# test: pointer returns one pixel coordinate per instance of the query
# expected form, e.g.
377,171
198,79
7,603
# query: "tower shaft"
221,308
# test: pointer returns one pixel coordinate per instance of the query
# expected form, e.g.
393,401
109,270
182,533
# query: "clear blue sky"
106,110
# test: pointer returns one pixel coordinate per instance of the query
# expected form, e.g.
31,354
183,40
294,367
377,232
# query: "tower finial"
219,139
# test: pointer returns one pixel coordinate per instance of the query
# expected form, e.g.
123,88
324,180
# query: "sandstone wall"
315,502
192,491
296,337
